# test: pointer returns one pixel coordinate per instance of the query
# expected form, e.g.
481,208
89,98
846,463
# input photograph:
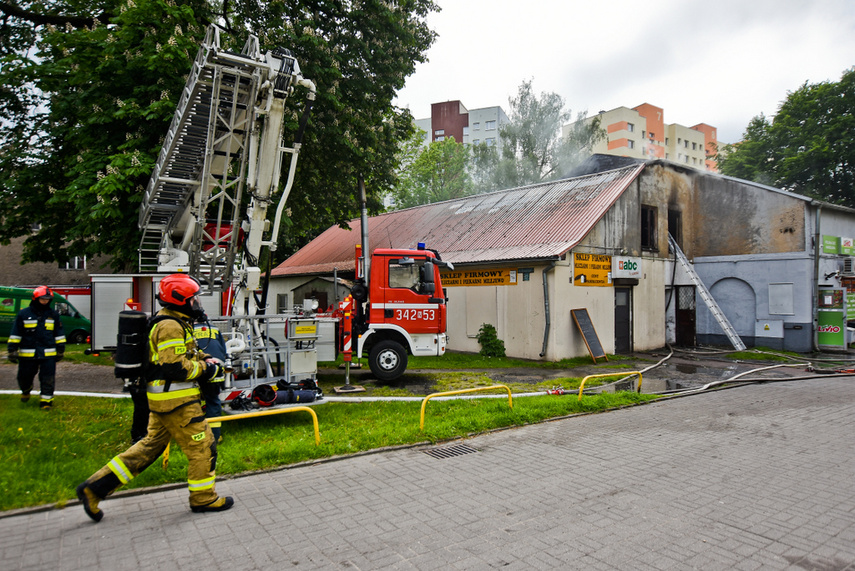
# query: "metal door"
623,320
685,317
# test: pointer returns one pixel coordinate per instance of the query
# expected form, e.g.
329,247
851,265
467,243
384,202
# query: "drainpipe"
817,245
546,306
363,221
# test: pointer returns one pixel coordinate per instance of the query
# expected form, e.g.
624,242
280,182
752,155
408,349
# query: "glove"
13,356
213,370
60,355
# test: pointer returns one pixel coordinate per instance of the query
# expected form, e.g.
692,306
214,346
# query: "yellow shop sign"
480,277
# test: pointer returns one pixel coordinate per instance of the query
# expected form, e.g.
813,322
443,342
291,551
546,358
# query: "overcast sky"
716,62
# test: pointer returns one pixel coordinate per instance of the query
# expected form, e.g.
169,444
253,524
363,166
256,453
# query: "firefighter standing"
210,340
37,343
174,403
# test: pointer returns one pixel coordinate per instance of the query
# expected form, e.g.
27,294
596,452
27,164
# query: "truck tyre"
388,360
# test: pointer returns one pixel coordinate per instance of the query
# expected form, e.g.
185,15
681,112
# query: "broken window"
648,228
675,226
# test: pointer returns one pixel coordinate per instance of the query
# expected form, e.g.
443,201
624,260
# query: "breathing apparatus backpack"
132,357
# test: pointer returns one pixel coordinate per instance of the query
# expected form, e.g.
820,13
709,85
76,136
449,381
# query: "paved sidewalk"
756,477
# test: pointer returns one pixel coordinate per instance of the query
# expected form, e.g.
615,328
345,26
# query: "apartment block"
468,126
642,133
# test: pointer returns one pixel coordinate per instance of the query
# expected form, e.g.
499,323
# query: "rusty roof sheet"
541,221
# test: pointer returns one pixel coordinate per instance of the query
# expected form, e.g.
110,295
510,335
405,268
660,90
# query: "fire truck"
205,212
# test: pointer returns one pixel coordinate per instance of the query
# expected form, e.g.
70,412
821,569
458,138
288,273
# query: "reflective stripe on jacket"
176,361
37,333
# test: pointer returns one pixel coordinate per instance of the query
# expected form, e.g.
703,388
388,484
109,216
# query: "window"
281,302
651,135
465,131
675,226
667,141
490,141
643,133
648,228
75,263
686,144
694,146
489,125
630,144
476,126
630,127
476,141
409,273
439,132
439,139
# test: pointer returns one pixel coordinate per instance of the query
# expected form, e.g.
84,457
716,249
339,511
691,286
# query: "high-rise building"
642,133
468,126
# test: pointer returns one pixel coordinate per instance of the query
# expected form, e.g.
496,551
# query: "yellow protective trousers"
187,425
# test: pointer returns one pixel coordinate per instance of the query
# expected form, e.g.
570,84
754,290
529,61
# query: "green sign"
831,330
830,244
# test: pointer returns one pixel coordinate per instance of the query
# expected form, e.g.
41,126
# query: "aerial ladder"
205,209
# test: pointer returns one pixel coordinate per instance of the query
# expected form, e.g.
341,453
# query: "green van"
12,299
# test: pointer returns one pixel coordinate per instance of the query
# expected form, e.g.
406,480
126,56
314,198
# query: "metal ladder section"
720,317
201,169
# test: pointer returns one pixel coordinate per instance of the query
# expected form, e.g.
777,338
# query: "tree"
438,173
532,147
89,88
808,147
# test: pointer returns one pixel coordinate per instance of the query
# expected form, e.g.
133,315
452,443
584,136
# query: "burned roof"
542,221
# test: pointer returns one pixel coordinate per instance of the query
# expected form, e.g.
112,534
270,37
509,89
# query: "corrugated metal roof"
533,222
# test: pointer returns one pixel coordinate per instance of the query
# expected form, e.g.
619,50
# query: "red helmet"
176,289
42,291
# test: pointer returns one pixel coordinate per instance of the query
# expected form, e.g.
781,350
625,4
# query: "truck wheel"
388,360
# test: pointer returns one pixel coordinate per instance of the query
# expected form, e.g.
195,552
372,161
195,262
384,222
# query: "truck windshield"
412,274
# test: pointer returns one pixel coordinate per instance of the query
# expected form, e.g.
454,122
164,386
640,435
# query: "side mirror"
428,270
428,285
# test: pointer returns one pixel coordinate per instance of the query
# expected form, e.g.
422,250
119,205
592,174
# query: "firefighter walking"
37,343
177,369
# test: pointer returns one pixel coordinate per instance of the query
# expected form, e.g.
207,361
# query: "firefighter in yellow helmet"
177,369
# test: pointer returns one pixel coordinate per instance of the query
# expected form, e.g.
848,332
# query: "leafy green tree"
808,147
89,88
438,173
532,147
483,165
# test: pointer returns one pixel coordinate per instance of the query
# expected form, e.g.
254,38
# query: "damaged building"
779,265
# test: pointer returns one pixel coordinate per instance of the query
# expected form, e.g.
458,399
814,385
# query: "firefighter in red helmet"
177,369
37,343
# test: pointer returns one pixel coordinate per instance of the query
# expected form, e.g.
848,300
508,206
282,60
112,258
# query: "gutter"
816,250
546,271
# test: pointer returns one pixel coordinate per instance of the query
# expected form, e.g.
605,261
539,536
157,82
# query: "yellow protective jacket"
176,362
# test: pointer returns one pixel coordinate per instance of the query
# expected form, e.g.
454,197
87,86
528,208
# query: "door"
685,317
623,320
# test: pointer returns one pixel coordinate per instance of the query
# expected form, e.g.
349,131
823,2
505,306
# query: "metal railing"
462,391
626,373
274,411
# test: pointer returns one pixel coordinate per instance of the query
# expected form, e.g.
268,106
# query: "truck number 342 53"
415,314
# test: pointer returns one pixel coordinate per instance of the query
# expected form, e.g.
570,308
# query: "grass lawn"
44,455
